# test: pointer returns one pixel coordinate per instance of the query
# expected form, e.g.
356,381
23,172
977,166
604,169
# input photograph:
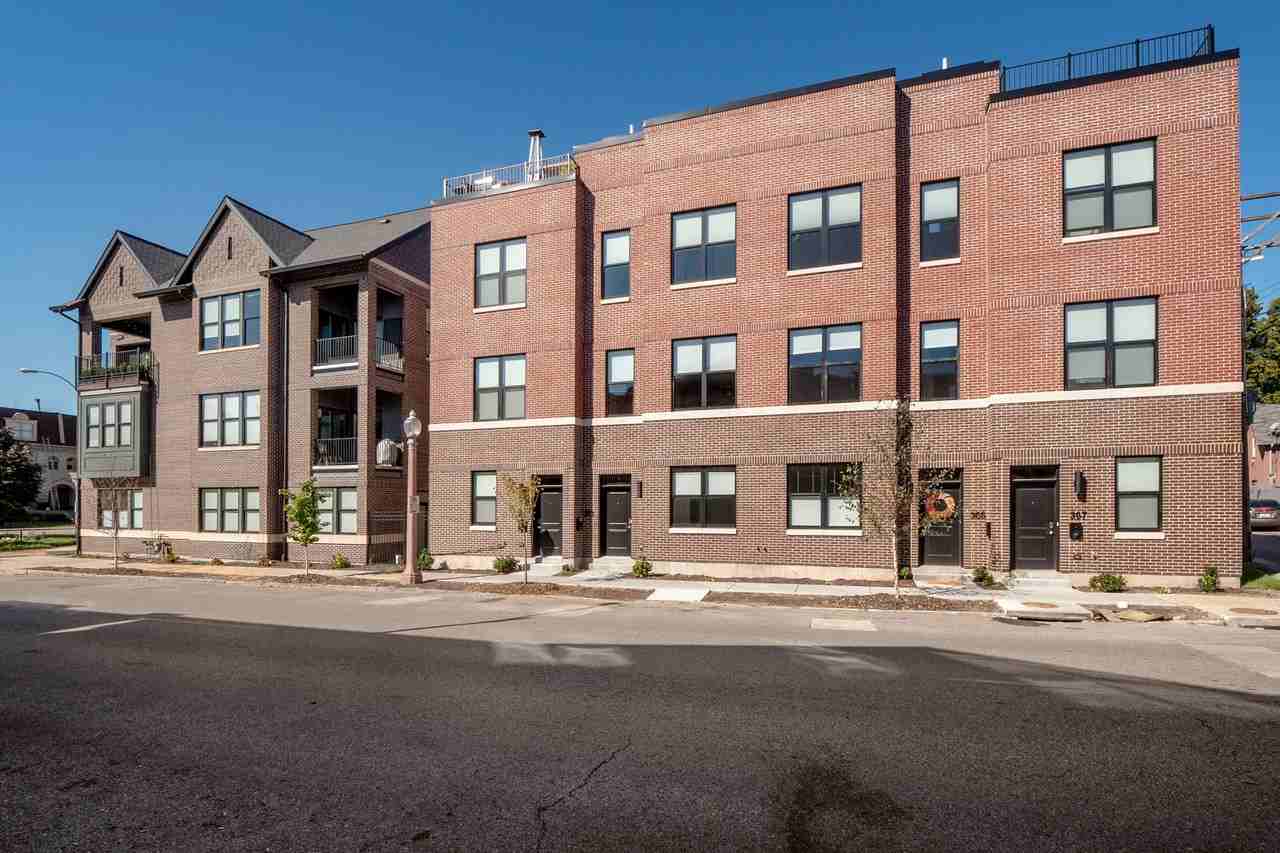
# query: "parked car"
1264,513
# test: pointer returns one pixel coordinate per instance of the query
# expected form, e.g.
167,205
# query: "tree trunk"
306,559
115,541
896,573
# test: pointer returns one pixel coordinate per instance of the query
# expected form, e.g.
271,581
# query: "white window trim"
713,531
484,528
941,262
1139,534
228,349
1112,235
824,531
330,368
615,300
231,447
856,265
711,282
492,308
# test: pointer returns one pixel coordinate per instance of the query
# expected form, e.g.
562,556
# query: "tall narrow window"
126,424
499,393
500,273
825,228
620,382
940,360
1111,344
252,317
825,364
484,497
1138,487
704,372
704,497
1109,188
135,509
940,220
93,430
704,245
616,275
109,425
814,499
252,511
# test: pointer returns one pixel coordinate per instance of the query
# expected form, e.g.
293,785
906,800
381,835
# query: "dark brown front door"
615,500
549,522
1035,540
940,540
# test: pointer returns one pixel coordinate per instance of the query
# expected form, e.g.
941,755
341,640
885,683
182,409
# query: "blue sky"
124,116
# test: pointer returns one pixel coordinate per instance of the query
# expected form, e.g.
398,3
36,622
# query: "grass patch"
36,542
1255,578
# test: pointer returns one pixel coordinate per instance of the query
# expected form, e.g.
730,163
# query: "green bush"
1209,579
340,561
425,561
1107,582
983,577
904,573
504,565
167,555
641,567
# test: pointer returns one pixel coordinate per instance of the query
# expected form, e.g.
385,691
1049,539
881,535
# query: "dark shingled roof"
159,262
361,238
47,425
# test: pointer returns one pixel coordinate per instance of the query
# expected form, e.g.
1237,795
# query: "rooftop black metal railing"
1118,57
114,369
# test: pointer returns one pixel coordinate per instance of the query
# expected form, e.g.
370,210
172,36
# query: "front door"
1035,544
549,523
615,500
940,536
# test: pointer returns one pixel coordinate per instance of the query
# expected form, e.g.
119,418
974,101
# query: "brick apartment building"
208,381
686,331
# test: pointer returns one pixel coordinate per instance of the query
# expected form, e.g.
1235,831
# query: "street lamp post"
76,509
412,429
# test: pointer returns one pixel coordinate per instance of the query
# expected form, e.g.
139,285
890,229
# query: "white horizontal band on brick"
1139,534
230,447
616,420
945,262
335,467
712,531
763,411
1085,394
329,368
105,391
616,300
688,285
1111,235
525,422
227,349
803,531
189,535
832,268
512,307
484,528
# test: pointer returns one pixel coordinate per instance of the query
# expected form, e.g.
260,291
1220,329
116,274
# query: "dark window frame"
244,298
706,356
1158,494
501,387
91,430
610,409
605,266
824,230
826,364
503,274
1108,189
99,430
925,223
702,496
222,419
925,360
831,471
476,499
1110,346
136,515
242,511
335,512
702,246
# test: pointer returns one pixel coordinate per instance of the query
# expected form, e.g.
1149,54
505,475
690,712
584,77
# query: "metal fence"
335,451
527,172
335,350
388,354
1117,57
102,368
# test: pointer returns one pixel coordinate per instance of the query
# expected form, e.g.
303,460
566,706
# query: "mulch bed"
879,601
542,588
903,584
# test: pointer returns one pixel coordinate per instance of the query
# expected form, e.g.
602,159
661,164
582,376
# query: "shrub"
340,561
982,577
216,562
425,561
641,567
904,573
168,556
504,565
1107,582
1209,578
264,561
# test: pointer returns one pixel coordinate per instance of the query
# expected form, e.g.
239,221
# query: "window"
337,505
1138,493
232,320
616,275
500,388
704,245
53,463
230,419
704,497
500,273
825,228
1111,344
109,425
125,419
484,497
230,510
22,430
704,372
940,360
94,429
813,499
124,507
1111,188
940,220
824,365
620,382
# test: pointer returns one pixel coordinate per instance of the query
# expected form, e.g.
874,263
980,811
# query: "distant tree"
521,498
1262,347
19,477
303,512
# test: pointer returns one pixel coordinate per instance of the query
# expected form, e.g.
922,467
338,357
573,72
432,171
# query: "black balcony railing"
388,354
335,350
111,369
1118,57
335,451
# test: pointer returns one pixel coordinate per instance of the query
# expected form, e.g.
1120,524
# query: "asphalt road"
1266,548
190,715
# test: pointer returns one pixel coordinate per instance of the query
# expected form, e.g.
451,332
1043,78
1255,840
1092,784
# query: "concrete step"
1042,611
941,575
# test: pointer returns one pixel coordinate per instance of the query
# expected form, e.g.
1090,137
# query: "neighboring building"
687,330
264,356
1264,452
51,438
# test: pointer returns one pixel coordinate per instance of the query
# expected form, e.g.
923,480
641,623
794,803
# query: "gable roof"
283,242
51,427
158,262
359,239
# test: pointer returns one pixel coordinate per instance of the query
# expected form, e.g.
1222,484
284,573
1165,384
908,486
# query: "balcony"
334,352
334,452
389,355
1138,53
114,370
527,172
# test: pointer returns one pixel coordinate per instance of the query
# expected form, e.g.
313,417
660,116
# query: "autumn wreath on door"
939,506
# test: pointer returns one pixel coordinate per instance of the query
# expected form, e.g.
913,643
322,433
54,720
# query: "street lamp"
28,371
412,429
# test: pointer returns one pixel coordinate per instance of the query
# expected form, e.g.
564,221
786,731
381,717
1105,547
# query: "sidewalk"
1245,609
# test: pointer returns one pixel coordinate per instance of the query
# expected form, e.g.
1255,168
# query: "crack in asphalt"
546,807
